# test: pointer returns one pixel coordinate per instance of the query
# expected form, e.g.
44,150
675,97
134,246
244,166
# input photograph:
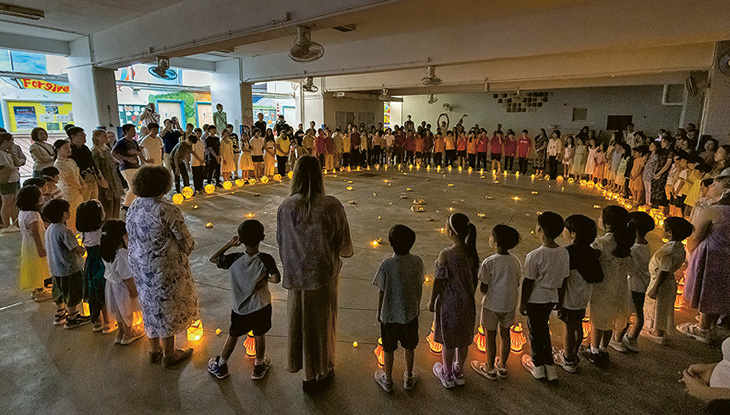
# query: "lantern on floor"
252,181
480,340
187,192
290,174
239,182
349,188
250,345
571,180
227,185
277,177
85,309
379,353
195,331
559,179
178,199
432,344
449,168
209,225
517,338
586,327
209,188
264,179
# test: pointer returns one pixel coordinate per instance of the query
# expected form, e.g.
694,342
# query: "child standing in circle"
400,280
452,299
585,270
659,311
545,269
638,282
33,263
89,218
609,305
500,283
251,271
120,290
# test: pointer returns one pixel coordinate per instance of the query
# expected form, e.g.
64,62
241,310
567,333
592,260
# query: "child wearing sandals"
545,270
251,271
660,296
120,290
64,262
585,270
500,276
400,280
452,299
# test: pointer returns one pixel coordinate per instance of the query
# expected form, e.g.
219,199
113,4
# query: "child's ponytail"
618,221
112,239
466,230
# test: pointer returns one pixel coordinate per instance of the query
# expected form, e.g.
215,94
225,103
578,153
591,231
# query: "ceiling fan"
162,70
432,99
384,95
431,79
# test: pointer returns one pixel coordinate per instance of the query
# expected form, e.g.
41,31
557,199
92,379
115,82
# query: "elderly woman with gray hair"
312,233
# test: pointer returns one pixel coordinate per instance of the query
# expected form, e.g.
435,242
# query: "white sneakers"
540,372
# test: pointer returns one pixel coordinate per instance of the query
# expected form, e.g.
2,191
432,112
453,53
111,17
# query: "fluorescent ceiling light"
22,12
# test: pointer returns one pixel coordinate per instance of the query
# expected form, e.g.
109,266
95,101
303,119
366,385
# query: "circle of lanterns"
227,185
209,189
187,192
178,199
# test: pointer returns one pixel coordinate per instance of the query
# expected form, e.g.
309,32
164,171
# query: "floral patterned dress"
540,141
159,245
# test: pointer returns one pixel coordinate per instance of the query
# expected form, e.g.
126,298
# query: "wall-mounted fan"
304,50
162,70
432,99
723,62
384,95
309,85
447,107
431,79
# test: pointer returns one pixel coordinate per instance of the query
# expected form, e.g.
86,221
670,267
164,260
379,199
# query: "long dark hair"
308,183
112,239
618,221
467,232
89,216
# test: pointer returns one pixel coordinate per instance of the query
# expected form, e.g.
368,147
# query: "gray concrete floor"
46,369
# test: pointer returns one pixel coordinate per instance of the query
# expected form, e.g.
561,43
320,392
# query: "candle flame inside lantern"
517,338
250,345
432,344
379,352
480,340
586,327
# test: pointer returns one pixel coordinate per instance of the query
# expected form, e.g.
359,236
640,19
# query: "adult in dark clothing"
260,124
213,157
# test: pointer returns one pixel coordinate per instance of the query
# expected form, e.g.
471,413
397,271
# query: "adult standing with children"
312,233
159,245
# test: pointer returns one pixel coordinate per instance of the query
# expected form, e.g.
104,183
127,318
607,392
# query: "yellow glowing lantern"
517,173
586,327
290,174
218,332
265,179
481,215
432,344
209,225
187,192
532,176
178,199
349,188
209,188
449,168
277,177
195,331
480,340
377,167
250,345
195,207
438,169
505,173
379,352
354,344
470,170
385,167
596,206
85,309
450,185
410,167
324,171
250,215
534,192
559,179
376,242
517,338
428,168
418,167
516,198
227,185
571,180
252,181
239,182
442,230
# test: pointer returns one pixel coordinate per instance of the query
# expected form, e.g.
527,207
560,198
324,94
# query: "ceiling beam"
34,44
191,63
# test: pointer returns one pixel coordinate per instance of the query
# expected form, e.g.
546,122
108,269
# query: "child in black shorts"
400,280
251,271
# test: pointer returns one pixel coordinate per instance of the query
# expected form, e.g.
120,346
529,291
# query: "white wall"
225,88
644,103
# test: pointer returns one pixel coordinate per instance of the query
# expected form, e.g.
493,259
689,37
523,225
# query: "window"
580,114
342,118
618,122
673,94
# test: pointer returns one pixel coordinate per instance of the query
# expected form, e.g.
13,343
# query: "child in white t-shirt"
251,271
638,283
585,270
400,280
662,291
500,283
545,269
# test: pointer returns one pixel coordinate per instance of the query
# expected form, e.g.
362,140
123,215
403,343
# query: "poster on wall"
45,117
25,118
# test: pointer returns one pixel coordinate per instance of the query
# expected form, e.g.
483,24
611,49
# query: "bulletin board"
23,116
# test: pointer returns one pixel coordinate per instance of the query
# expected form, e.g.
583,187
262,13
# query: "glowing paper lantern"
290,174
209,188
195,207
178,199
480,340
482,215
559,179
379,353
354,344
571,180
250,345
516,198
195,331
188,192
240,182
432,344
85,309
376,242
227,185
517,338
349,188
277,177
209,225
449,168
264,179
586,327
534,192
252,181
218,332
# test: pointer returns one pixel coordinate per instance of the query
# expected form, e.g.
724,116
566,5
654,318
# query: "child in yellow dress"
33,263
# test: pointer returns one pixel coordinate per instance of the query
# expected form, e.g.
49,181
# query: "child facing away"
638,283
120,289
500,283
609,304
251,271
585,270
452,299
89,218
662,291
400,280
545,270
52,175
64,263
33,262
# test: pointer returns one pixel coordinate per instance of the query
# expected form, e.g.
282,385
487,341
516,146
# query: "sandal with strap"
694,331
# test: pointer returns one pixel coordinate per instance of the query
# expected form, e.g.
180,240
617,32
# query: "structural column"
716,114
227,89
93,90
